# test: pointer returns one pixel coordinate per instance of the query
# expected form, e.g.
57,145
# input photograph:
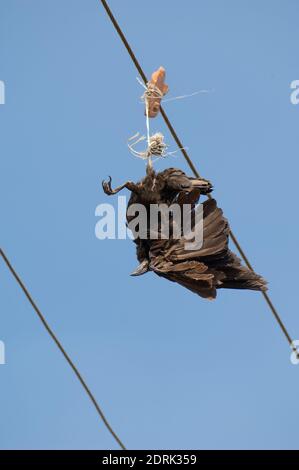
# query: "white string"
148,132
147,124
148,153
141,83
165,100
187,96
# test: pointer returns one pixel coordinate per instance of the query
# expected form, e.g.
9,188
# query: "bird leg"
109,191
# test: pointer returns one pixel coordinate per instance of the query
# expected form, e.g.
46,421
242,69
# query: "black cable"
61,348
193,168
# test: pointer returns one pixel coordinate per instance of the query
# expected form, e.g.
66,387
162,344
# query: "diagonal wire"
61,348
194,170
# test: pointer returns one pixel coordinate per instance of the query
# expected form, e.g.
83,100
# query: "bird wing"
170,258
208,267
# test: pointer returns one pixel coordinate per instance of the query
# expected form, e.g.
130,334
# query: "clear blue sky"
169,369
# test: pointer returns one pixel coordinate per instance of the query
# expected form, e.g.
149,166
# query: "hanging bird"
203,270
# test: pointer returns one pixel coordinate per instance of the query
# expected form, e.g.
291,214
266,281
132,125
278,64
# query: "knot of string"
156,147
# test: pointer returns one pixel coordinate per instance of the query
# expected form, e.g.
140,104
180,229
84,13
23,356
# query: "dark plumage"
204,270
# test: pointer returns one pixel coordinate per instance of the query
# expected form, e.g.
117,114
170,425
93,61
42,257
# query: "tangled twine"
151,91
156,146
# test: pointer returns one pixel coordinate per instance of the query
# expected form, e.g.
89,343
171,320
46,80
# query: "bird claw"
107,187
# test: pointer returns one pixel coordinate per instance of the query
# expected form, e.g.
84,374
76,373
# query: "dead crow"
204,270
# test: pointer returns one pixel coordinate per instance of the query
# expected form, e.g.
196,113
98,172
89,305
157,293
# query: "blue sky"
169,369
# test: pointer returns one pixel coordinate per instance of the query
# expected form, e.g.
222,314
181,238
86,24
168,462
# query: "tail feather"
237,276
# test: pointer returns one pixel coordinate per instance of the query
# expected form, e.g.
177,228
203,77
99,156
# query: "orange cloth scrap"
156,89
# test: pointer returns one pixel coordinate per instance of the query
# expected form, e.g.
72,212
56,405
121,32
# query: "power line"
193,168
61,348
